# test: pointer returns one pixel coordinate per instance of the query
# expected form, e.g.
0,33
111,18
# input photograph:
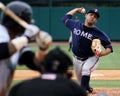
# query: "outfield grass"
105,83
93,83
109,62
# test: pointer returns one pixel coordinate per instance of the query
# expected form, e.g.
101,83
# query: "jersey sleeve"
105,41
27,58
4,39
68,21
107,44
4,36
4,51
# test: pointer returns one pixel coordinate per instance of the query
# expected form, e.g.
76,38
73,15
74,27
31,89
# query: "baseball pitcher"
85,56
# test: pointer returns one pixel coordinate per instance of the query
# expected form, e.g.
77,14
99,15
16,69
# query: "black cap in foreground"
56,61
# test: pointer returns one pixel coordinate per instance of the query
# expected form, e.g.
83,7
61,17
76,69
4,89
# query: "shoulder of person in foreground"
14,89
78,90
58,62
74,87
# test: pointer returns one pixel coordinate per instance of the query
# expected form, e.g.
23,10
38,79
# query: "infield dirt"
96,75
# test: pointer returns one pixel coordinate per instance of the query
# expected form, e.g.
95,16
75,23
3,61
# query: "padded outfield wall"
49,19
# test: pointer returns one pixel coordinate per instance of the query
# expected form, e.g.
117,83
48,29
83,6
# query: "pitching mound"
105,92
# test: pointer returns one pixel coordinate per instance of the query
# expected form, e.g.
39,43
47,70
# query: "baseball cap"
95,11
56,61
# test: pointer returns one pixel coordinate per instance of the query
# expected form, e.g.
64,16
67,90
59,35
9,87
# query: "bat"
13,15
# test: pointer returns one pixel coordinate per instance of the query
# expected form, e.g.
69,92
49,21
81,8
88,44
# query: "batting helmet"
56,61
21,9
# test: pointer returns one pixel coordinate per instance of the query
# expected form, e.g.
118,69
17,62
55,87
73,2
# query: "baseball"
83,10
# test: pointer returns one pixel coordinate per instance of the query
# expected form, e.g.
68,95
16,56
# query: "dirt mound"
96,75
105,92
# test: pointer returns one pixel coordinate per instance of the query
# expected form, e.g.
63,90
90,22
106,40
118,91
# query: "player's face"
91,18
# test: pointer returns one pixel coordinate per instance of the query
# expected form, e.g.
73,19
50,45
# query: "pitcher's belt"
81,58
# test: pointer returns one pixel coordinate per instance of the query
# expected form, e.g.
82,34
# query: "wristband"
20,42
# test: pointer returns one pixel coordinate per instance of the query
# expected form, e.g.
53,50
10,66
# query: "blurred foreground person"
54,81
14,41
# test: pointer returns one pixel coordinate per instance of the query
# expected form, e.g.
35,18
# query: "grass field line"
96,75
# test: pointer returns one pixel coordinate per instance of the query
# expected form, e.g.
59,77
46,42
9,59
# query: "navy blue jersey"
82,37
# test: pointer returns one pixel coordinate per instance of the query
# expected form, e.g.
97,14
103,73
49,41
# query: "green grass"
109,62
15,82
93,83
105,83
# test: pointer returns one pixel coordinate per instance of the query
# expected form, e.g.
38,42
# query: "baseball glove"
96,46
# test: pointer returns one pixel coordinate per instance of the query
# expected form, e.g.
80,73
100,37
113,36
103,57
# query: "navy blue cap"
95,11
